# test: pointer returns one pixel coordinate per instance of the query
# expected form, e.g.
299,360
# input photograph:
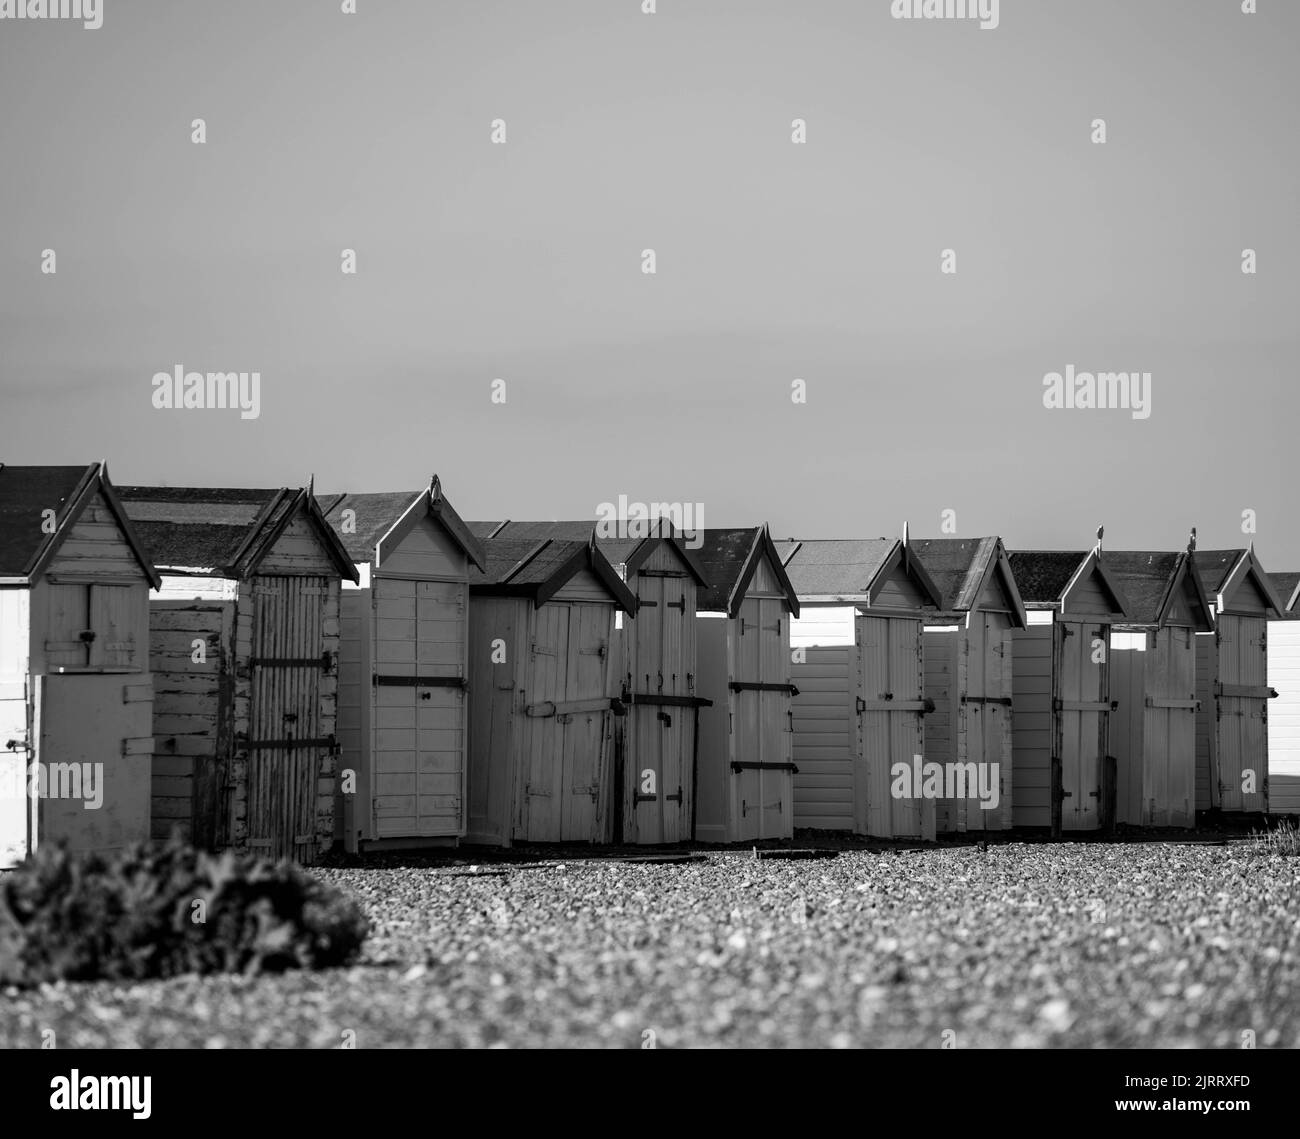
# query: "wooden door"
1169,729
93,626
15,754
419,718
762,780
542,804
585,725
985,735
1242,692
891,709
1082,707
661,723
94,750
287,751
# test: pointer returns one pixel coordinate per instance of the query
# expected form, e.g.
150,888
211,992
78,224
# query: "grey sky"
775,261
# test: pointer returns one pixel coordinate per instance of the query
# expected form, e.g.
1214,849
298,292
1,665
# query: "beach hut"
1062,776
403,667
1284,711
967,656
244,642
1232,682
543,691
1153,683
75,686
744,767
656,666
866,598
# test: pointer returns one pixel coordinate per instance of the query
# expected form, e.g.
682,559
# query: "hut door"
94,747
14,757
891,707
585,728
661,735
286,751
419,752
1169,730
1242,694
1082,704
543,774
986,719
763,787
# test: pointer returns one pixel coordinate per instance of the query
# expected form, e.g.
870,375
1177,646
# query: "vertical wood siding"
1284,717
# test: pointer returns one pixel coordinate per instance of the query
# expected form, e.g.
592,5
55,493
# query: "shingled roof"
377,513
728,557
1285,583
221,531
1148,578
630,551
26,493
1216,570
842,566
539,568
1042,575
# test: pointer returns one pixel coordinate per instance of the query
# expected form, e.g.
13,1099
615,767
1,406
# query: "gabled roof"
628,551
1045,577
1287,585
27,492
853,570
963,568
224,531
538,569
387,516
1153,582
1222,572
729,559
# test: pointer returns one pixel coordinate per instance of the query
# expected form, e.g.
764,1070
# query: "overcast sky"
775,261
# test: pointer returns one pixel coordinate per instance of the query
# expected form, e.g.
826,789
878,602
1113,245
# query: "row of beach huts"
283,671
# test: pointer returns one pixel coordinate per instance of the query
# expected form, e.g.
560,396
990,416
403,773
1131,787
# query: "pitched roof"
619,550
728,558
1214,566
842,566
377,513
27,492
1147,578
1042,575
225,530
1285,583
529,567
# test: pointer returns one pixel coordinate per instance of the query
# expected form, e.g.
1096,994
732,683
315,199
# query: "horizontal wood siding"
299,550
1089,595
1284,717
426,551
824,729
95,546
822,625
583,586
1032,726
187,707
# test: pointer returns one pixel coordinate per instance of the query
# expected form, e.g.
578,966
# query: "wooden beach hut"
75,686
543,691
1284,711
244,640
1232,682
656,666
1061,708
874,594
744,768
1153,683
967,657
403,713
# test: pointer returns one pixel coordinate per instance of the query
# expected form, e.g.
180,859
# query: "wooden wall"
1032,729
1284,717
825,734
